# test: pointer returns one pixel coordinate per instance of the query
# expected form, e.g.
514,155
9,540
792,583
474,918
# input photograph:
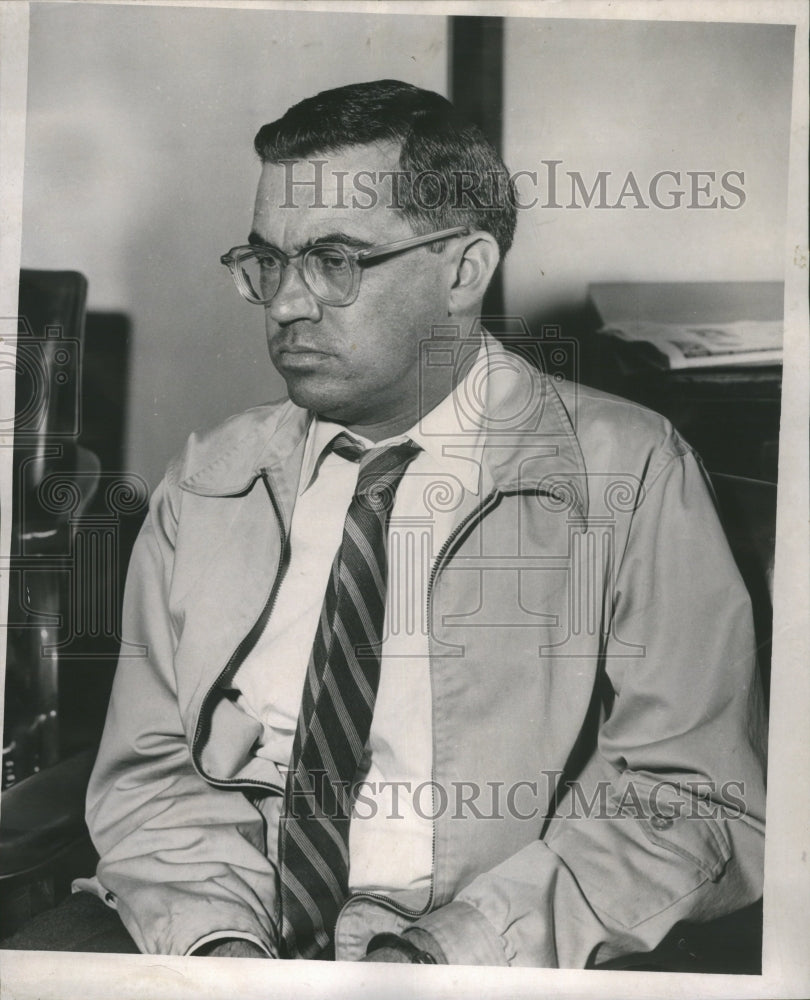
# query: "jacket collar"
531,444
264,442
525,418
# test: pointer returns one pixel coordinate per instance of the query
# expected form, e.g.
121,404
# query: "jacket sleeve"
181,860
665,821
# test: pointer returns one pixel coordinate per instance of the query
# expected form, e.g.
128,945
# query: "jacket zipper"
247,642
260,624
477,513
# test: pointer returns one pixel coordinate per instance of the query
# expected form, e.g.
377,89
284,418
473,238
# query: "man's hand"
234,948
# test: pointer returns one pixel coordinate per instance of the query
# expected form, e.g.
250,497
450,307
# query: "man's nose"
293,300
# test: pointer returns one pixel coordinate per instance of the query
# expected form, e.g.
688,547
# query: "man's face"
357,364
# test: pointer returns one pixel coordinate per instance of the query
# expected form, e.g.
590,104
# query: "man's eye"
329,260
268,264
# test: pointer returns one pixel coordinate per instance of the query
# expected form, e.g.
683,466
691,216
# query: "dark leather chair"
54,480
748,511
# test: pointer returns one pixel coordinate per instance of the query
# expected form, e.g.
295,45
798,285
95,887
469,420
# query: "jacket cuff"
465,936
229,936
180,923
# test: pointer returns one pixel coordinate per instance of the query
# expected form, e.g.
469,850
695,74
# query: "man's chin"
320,401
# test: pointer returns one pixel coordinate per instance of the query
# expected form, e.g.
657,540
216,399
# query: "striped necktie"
337,706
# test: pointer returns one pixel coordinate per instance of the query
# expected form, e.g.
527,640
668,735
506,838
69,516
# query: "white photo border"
786,958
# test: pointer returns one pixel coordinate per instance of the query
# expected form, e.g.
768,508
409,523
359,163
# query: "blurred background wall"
140,170
644,97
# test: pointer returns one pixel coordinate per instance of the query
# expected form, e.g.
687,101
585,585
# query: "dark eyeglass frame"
355,259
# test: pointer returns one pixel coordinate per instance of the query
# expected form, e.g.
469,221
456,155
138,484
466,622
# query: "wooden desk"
730,415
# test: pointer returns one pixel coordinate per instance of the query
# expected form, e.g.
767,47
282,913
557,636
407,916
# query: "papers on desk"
705,345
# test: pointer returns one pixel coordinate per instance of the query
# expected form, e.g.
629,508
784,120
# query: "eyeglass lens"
327,271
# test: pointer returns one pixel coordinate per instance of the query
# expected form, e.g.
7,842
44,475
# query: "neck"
388,428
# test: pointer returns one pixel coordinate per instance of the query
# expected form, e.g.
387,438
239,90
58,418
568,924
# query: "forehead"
351,191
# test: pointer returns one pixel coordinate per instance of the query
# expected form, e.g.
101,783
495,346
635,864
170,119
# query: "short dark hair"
465,179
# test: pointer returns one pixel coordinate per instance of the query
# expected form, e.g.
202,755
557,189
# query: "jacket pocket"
647,846
689,826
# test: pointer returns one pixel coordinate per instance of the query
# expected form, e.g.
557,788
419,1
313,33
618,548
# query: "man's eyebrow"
345,239
338,237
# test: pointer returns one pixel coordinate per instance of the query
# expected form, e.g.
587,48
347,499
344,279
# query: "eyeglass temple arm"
413,241
372,252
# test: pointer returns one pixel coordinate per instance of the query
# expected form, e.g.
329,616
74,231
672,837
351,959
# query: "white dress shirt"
390,839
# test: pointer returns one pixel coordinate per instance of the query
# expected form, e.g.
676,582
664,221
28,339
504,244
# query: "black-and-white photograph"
393,431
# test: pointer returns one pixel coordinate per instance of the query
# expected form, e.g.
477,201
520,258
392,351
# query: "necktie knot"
381,470
347,448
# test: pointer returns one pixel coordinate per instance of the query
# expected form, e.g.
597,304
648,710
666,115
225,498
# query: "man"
443,661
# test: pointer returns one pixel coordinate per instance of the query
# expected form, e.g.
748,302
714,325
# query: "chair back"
47,409
47,424
747,509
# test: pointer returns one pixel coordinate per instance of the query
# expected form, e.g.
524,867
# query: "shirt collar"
449,434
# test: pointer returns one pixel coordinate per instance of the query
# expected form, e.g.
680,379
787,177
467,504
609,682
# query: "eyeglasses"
330,271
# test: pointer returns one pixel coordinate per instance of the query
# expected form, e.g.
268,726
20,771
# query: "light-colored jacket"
597,718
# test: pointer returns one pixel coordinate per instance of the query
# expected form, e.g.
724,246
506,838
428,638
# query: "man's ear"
475,264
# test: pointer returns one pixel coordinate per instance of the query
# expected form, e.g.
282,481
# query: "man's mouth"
299,356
